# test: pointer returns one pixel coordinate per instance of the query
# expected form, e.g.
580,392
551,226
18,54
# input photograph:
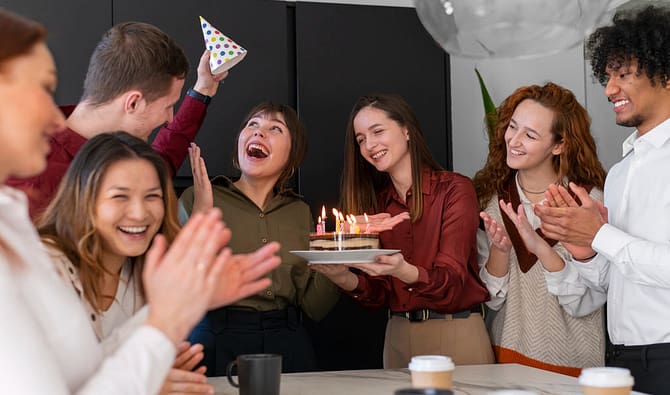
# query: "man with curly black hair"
626,248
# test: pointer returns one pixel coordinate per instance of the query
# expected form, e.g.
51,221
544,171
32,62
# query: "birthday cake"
338,241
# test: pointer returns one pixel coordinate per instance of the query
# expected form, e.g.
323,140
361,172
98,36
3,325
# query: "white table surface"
468,380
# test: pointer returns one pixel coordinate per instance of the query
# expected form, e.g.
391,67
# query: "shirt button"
261,215
264,240
268,293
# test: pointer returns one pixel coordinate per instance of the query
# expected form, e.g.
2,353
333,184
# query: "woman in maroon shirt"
431,287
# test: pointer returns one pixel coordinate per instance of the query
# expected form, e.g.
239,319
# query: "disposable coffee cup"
606,381
431,371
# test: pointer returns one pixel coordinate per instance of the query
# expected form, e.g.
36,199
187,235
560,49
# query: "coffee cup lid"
431,363
606,377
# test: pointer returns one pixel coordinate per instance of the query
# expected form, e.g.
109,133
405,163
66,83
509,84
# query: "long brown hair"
68,222
18,36
296,129
578,161
361,182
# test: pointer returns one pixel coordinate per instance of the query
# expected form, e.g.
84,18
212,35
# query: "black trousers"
649,365
226,333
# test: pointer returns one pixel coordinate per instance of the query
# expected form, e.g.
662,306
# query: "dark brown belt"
427,314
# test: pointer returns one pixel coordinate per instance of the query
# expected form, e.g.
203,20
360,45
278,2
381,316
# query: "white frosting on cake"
343,241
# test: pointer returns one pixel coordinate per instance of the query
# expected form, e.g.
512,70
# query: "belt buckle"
413,316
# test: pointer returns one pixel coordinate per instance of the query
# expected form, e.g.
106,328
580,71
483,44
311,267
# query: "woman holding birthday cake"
431,287
260,207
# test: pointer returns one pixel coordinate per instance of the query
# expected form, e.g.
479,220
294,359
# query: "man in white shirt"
630,242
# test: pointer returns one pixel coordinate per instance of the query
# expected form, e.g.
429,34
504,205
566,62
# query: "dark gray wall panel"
75,27
346,51
343,52
265,74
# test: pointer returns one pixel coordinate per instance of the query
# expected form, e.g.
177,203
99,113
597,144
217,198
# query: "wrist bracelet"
199,96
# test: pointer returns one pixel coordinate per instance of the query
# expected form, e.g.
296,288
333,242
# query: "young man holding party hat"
134,79
630,256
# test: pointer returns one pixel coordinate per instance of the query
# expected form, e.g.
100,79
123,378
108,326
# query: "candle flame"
366,217
323,212
353,218
319,220
335,213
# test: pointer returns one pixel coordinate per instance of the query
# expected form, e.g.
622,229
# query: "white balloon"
510,28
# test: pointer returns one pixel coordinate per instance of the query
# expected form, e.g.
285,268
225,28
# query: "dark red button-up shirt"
171,143
441,244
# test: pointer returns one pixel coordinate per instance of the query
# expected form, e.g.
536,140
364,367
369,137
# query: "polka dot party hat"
224,53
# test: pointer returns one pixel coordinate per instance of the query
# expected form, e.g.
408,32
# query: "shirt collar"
390,192
67,138
229,184
70,140
656,138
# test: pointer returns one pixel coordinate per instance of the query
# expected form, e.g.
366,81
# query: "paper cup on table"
431,371
606,381
224,53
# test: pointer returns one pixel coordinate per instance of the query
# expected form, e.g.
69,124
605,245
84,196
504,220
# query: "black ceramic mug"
258,374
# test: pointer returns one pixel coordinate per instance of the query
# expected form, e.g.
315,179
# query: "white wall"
502,77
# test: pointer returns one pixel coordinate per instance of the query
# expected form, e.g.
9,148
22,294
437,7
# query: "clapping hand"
203,199
242,274
574,225
530,238
182,379
496,233
179,282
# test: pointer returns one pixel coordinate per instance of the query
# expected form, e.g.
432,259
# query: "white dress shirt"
633,258
47,343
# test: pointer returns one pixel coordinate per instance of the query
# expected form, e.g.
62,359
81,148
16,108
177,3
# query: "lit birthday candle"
323,219
357,228
318,227
367,223
342,222
350,227
337,220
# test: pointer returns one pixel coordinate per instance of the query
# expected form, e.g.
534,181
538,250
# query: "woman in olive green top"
259,207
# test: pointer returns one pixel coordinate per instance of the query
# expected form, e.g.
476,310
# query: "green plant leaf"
490,112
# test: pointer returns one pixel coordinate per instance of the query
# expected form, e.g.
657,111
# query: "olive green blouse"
285,219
